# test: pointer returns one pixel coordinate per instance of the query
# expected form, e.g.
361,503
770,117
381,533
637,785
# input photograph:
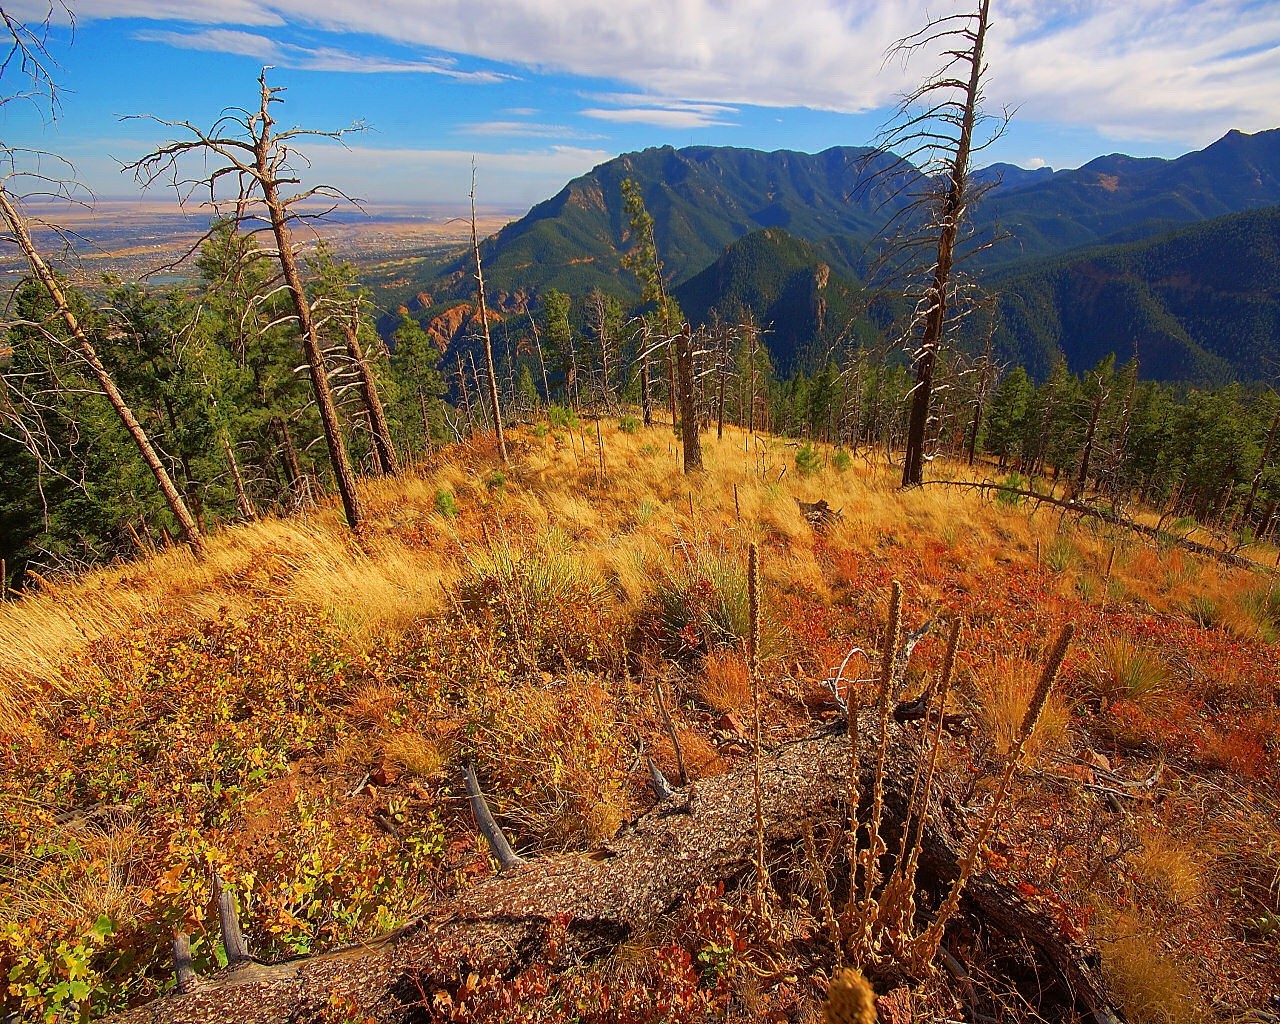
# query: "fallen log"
503,925
1093,512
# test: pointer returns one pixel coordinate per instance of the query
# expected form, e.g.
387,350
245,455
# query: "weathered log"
492,832
661,787
819,514
503,924
233,943
1093,512
184,973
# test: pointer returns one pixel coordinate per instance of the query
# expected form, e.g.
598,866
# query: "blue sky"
539,91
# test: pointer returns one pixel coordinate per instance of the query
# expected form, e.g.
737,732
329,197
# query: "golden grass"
1004,687
725,684
1169,870
417,754
1151,986
1129,671
412,556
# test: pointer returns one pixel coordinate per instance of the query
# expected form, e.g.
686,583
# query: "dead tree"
26,50
934,128
1263,462
81,348
253,157
490,372
688,414
384,450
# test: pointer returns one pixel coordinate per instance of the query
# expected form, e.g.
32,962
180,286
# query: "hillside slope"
703,198
791,290
1200,304
293,713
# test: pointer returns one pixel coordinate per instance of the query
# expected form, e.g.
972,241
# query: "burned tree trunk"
688,415
490,372
384,449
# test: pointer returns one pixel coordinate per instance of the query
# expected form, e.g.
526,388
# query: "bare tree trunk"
466,400
291,468
688,417
722,345
646,398
384,449
426,420
1262,465
243,502
190,529
953,206
484,327
475,375
542,363
343,475
1082,475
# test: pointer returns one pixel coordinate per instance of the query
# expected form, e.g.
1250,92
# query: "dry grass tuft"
1152,988
1129,671
418,755
1169,870
725,684
1004,689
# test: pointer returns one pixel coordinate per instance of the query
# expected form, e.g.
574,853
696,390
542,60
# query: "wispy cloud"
519,178
662,117
319,58
524,130
1178,70
639,108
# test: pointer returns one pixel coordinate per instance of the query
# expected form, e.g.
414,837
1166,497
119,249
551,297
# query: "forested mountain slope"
1201,303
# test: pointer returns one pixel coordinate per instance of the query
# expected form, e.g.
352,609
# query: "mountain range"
1177,256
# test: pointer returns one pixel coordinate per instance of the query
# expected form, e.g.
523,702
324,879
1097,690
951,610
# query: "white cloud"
307,58
1035,163
1176,70
523,130
668,117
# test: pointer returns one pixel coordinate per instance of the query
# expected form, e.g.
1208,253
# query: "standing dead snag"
384,450
688,415
484,327
935,128
255,162
83,349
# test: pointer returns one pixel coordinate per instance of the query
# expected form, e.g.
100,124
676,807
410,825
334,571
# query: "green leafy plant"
808,459
562,417
446,504
1016,481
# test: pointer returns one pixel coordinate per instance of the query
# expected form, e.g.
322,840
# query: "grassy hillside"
293,711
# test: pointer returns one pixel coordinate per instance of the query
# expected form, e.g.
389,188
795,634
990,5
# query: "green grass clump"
628,424
562,417
1012,480
702,602
1127,671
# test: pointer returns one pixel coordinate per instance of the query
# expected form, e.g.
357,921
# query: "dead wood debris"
502,925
